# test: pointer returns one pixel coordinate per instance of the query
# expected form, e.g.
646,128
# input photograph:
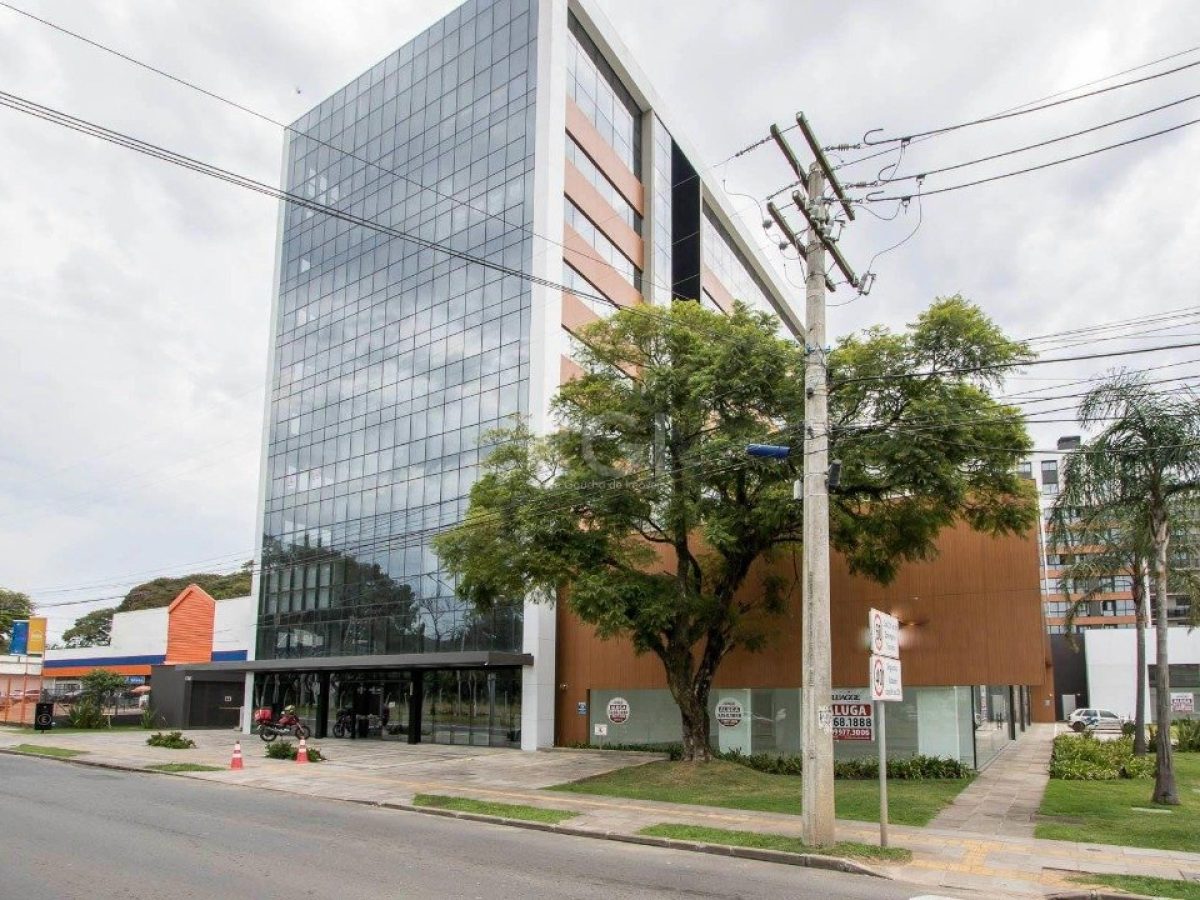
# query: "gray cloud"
136,296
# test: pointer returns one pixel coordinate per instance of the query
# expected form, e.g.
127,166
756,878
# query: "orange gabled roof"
190,620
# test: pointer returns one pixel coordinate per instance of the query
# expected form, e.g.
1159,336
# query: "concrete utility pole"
816,638
817,706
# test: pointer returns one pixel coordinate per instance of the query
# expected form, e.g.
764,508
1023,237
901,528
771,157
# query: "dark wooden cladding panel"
974,614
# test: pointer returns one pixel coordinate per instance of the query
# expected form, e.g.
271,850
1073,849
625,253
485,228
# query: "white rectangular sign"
885,634
600,729
885,679
1184,702
853,716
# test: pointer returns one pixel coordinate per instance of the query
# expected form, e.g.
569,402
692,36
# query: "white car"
1095,719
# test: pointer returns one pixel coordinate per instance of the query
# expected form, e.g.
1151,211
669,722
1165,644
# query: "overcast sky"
135,296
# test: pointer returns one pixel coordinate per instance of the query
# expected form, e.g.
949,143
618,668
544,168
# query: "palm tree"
1147,458
1101,541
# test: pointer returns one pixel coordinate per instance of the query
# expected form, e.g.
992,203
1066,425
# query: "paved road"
78,832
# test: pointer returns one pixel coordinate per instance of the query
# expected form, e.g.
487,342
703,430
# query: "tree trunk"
1141,593
1165,790
690,684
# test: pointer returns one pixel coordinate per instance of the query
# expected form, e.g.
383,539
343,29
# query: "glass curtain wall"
391,359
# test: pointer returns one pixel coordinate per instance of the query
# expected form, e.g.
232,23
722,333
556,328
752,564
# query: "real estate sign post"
885,680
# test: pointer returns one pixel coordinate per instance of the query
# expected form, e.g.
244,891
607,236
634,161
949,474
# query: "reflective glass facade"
661,240
726,262
391,361
597,179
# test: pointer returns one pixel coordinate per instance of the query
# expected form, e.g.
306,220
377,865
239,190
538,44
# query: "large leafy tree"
161,591
643,513
92,629
13,605
1147,457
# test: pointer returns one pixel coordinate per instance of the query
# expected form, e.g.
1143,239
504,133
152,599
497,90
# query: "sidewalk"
1005,797
373,772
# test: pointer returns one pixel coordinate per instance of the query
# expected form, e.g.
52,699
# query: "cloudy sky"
135,296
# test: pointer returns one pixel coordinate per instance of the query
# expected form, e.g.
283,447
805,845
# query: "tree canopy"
92,629
643,512
13,605
161,591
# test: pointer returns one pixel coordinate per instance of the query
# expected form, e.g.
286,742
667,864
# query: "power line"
1038,168
500,217
994,156
969,370
1137,68
1026,111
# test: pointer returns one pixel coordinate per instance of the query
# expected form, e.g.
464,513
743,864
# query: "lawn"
1107,812
761,841
43,750
485,808
1149,887
720,783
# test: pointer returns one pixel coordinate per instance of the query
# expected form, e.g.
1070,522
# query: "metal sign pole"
883,797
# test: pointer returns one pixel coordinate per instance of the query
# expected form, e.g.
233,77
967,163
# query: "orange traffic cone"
236,762
302,751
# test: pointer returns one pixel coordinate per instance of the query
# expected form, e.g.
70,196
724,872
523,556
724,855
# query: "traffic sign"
885,679
885,634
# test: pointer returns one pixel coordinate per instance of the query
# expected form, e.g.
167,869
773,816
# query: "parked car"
1096,719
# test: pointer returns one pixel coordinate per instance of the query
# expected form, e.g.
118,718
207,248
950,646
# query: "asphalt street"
71,831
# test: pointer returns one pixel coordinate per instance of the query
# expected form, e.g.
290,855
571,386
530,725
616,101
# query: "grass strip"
1103,812
1144,884
184,767
43,750
729,785
767,841
487,808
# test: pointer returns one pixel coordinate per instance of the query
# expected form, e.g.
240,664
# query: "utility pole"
816,708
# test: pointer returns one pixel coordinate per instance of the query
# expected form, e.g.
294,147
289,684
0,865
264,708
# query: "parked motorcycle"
288,724
344,726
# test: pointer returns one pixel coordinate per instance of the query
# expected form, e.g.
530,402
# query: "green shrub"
151,719
288,750
1187,733
1081,757
913,768
85,714
172,740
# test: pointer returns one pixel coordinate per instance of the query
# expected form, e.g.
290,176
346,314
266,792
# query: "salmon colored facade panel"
596,208
579,253
711,283
575,313
569,370
190,620
605,157
973,615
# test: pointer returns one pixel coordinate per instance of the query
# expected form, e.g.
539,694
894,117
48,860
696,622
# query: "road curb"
806,860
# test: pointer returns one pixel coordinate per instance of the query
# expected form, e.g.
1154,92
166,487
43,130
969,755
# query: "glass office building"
513,138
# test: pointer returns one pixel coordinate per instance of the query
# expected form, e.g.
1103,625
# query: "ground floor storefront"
969,723
478,707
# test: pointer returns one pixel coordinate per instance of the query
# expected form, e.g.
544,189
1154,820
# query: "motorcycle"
287,724
344,726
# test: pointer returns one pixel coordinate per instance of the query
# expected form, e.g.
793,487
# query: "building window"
726,261
1025,470
596,89
597,179
605,249
590,295
1049,476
